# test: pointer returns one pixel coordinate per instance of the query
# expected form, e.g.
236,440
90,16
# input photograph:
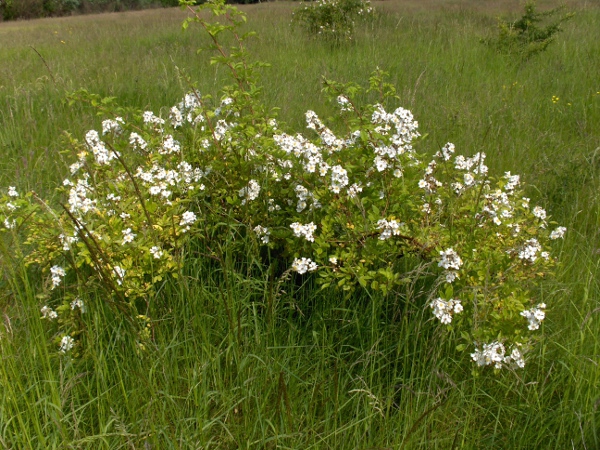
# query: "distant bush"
332,20
526,36
31,9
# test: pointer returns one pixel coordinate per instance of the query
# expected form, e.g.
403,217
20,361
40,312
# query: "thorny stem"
220,49
84,233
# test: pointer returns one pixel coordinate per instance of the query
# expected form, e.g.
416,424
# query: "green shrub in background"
118,5
26,9
332,20
31,9
357,207
531,34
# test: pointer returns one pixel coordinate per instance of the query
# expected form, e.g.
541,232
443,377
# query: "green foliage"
530,34
317,373
359,206
30,9
332,20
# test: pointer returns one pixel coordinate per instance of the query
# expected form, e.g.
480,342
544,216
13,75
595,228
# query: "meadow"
326,371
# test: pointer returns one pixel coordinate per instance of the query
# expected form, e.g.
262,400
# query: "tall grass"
232,366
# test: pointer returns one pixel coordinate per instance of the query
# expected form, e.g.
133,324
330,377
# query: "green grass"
308,369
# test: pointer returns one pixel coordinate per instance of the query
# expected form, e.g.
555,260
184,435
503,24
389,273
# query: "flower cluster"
535,316
305,231
495,353
58,273
263,233
48,313
529,251
250,192
388,228
451,262
66,344
444,309
303,265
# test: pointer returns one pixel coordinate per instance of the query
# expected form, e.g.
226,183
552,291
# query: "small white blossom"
75,167
492,353
354,189
120,273
176,117
128,236
446,152
169,146
539,212
66,344
12,191
469,179
156,252
535,316
380,163
187,218
305,231
515,357
303,265
249,192
78,303
48,313
512,181
450,260
344,103
58,273
530,250
450,276
110,125
558,233
263,233
444,309
151,119
339,179
388,228
220,129
136,141
458,188
66,241
102,155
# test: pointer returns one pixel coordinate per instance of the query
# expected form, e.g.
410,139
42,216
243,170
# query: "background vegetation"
31,9
319,374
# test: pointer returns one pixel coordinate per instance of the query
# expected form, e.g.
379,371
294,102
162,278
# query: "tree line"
31,9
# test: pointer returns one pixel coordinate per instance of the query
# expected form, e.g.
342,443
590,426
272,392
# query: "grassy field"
321,374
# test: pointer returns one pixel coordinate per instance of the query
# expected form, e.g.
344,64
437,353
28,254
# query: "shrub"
332,20
526,36
358,208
